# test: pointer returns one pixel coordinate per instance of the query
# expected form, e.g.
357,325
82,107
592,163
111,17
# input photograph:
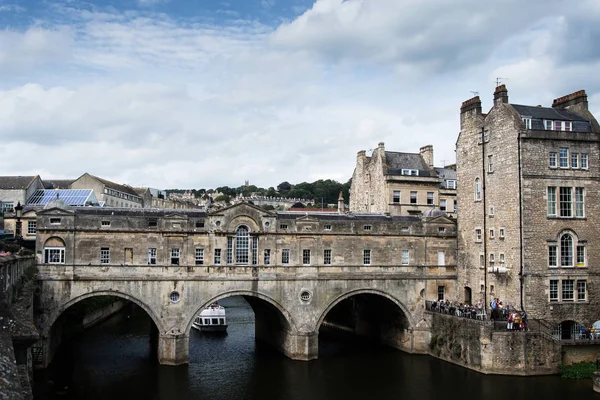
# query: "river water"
113,361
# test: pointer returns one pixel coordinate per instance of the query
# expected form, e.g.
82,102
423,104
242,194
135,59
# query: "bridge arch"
355,292
290,324
47,326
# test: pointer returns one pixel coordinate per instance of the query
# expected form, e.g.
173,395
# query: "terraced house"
529,208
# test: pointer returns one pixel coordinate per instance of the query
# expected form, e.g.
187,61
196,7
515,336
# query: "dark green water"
113,361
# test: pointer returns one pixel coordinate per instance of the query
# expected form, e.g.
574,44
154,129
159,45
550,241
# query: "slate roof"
58,184
16,182
539,114
396,162
548,113
346,216
116,186
445,174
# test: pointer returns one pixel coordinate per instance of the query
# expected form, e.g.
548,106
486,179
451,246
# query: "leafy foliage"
582,370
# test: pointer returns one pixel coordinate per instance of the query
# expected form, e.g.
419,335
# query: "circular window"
218,223
267,224
174,297
305,295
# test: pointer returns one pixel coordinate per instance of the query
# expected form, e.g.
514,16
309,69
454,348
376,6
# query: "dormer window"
411,172
451,184
550,125
526,122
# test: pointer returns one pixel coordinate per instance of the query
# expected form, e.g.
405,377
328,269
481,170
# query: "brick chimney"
575,101
500,95
427,154
469,109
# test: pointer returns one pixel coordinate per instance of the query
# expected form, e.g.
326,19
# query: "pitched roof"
58,184
548,113
396,162
16,182
116,186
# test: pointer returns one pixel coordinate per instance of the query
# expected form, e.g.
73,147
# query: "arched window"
241,245
54,251
566,250
477,189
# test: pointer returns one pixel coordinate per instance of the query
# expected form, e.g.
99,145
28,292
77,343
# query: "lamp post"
18,214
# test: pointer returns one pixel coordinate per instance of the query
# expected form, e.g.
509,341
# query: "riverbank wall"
100,315
475,345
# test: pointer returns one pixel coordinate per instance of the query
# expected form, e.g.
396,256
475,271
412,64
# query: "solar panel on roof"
72,197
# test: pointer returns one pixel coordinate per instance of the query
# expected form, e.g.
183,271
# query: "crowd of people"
515,320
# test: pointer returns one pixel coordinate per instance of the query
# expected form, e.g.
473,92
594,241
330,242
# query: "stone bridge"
345,269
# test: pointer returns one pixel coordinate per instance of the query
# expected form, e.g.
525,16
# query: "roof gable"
239,207
16,182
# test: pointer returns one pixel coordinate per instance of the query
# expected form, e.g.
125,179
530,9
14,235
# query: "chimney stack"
427,154
340,203
500,95
574,101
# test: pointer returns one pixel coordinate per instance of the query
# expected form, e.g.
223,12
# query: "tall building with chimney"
529,208
401,183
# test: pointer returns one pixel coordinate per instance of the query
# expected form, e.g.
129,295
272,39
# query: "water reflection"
114,361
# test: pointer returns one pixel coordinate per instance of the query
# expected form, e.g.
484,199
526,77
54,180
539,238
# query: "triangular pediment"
175,216
55,211
241,208
307,218
441,220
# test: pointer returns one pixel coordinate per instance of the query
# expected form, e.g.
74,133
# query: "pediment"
441,220
307,218
56,211
175,216
241,209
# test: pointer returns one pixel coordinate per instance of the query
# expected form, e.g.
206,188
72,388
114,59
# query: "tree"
284,187
224,198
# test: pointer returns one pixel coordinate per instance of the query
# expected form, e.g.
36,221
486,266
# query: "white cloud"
146,99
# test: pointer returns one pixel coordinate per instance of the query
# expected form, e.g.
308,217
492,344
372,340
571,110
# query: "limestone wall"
474,345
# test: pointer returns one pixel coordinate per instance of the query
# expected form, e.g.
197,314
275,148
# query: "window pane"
579,202
306,256
567,289
367,257
327,257
554,290
581,290
563,158
429,197
396,196
574,160
584,160
552,256
285,256
241,245
405,257
565,202
267,256
581,256
552,159
566,251
551,201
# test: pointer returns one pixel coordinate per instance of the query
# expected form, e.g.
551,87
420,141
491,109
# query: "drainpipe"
485,270
521,255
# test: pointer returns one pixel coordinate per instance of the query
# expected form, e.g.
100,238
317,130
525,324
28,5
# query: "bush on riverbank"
582,370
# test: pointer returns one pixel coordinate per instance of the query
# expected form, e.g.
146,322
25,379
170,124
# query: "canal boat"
211,319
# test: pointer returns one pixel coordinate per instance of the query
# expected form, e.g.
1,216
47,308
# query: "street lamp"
18,214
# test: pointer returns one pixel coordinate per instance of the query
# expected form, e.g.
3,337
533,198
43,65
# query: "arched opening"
567,330
371,316
254,323
54,251
98,334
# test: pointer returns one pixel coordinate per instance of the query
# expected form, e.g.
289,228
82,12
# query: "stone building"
112,194
401,183
528,201
15,189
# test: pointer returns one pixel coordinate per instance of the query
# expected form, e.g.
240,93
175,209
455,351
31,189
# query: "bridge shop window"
367,227
175,256
306,256
242,247
366,257
267,256
327,257
104,255
199,256
283,226
217,258
54,255
405,257
254,250
151,255
285,256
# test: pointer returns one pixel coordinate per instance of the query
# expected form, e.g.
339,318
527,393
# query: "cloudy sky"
204,93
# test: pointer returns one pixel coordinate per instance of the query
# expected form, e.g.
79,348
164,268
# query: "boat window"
206,321
199,321
215,321
222,321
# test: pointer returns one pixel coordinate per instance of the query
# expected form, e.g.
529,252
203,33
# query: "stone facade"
292,268
401,183
528,197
